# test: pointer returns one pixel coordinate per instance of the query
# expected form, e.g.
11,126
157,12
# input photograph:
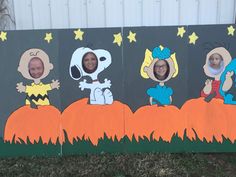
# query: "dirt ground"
122,165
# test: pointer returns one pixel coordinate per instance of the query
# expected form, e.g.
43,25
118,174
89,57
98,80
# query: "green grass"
82,146
22,148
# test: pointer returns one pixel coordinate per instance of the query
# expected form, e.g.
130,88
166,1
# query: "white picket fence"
41,14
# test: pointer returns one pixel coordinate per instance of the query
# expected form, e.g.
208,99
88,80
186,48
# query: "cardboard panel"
210,113
132,89
152,121
32,129
91,98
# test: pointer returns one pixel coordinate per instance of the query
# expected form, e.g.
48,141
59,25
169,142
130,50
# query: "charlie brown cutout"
216,61
35,65
160,66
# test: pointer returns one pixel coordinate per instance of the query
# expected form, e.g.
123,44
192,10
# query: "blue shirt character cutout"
227,83
160,94
160,66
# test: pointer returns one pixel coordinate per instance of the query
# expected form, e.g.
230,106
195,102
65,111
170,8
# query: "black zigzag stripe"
36,98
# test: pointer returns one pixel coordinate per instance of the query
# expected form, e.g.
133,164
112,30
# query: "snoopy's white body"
99,94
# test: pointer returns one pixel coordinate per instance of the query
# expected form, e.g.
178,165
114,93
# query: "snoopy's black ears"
75,72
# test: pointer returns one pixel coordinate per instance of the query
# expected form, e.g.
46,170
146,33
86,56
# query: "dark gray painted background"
210,36
151,37
127,84
94,39
10,52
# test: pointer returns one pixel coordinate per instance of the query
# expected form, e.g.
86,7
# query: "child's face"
215,60
90,62
160,69
36,68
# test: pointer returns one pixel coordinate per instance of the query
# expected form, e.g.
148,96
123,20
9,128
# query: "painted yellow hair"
147,61
173,57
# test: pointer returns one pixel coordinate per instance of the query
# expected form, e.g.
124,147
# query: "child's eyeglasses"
160,66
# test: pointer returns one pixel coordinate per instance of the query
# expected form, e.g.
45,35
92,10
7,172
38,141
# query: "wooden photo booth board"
132,89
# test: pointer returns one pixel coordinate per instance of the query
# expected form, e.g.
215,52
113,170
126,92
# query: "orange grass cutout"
163,122
210,119
82,120
27,122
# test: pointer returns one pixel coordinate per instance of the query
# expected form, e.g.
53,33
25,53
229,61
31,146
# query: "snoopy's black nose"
75,72
102,58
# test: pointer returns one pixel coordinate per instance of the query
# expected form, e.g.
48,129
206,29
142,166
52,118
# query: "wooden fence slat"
151,13
23,14
208,12
41,14
114,13
59,13
96,13
132,12
169,12
188,12
226,11
77,14
33,14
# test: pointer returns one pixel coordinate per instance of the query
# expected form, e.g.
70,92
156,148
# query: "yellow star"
117,39
131,36
181,32
48,37
78,34
192,38
3,36
231,30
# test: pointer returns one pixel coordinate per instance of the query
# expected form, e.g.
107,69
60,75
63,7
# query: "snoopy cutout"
88,62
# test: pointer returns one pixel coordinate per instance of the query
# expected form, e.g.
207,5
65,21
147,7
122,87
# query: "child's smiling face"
36,68
160,69
215,60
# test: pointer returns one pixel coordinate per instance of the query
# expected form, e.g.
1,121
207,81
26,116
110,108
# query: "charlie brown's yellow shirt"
38,93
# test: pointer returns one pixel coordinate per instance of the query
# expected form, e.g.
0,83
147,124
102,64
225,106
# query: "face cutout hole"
215,64
161,70
89,62
36,67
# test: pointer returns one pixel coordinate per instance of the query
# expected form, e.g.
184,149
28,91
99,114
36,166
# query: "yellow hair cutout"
147,61
173,57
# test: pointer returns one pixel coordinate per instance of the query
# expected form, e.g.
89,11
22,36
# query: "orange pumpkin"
163,122
27,122
209,119
82,120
